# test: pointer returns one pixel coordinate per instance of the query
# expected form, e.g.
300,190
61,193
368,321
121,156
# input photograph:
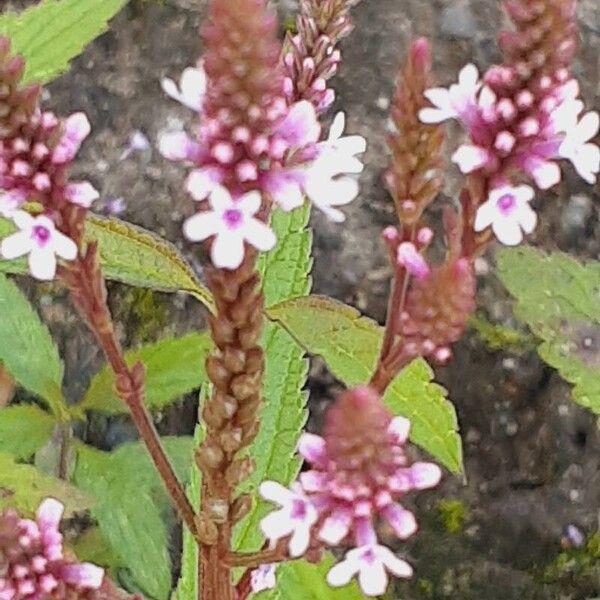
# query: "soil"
532,456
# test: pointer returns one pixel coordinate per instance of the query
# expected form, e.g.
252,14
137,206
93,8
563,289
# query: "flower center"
233,218
298,509
369,556
41,234
506,204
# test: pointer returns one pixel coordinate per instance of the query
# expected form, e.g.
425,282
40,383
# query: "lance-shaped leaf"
52,33
174,367
130,505
561,306
24,429
27,349
349,344
23,487
132,255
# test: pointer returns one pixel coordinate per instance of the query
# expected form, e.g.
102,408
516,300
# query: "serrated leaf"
23,487
349,344
27,349
286,269
24,429
285,273
129,509
301,580
52,33
561,306
174,367
132,255
138,257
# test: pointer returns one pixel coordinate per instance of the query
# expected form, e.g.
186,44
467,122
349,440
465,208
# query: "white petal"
440,98
397,566
336,527
42,263
201,182
277,524
82,193
77,126
487,98
399,428
259,235
507,231
485,216
469,158
312,448
373,579
403,522
546,174
434,115
301,126
425,475
468,77
50,513
220,198
342,573
337,127
587,128
227,251
275,492
201,226
249,203
300,540
175,145
64,246
84,575
351,145
287,194
587,162
193,87
16,245
527,218
523,193
23,220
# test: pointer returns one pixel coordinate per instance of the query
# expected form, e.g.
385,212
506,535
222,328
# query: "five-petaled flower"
295,518
231,222
577,148
39,238
508,212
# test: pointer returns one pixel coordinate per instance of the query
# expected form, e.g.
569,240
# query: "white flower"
454,102
300,126
576,147
11,201
371,563
40,239
232,223
507,210
76,129
469,158
137,142
82,193
338,151
263,578
296,516
192,88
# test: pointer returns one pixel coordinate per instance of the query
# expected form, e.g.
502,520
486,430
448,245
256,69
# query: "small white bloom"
263,578
300,126
82,193
39,238
137,142
370,563
11,201
191,90
576,147
507,210
469,158
339,151
296,516
454,102
232,223
76,129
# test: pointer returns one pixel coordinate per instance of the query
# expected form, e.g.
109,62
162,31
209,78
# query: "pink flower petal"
313,449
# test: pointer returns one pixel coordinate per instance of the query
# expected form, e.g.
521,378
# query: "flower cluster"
32,561
252,145
521,121
359,470
36,150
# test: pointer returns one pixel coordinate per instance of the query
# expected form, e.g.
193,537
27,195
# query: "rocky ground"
532,456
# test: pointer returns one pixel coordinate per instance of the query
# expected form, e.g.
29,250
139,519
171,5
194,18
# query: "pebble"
575,215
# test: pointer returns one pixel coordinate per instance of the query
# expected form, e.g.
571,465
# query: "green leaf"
187,586
52,33
132,255
174,367
24,429
301,580
130,506
138,257
27,349
349,344
285,272
561,306
23,487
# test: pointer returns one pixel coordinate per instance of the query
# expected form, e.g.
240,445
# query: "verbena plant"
254,520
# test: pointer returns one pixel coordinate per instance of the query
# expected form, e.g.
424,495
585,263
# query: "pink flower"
508,212
177,145
82,193
232,222
263,578
454,102
201,182
371,563
76,129
576,147
42,241
295,518
11,201
412,260
35,565
191,90
300,126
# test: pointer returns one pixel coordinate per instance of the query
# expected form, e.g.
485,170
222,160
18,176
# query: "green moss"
289,24
499,337
425,587
453,515
145,312
575,563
